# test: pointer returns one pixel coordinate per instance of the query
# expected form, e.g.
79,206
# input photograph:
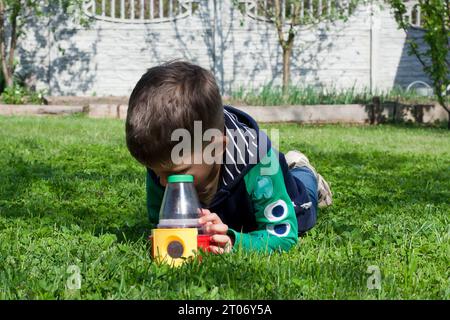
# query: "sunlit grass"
70,194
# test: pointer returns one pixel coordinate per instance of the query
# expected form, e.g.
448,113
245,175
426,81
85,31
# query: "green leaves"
17,94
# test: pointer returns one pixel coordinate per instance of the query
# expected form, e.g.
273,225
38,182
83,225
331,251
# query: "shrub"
17,94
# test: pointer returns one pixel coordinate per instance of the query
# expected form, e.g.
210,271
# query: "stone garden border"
353,113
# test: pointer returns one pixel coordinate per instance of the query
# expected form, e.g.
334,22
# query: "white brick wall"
108,58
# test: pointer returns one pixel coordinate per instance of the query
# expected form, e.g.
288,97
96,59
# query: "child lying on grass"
253,196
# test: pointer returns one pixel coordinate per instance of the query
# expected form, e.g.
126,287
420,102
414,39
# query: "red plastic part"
203,241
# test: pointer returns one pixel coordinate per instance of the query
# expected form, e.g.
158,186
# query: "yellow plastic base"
174,246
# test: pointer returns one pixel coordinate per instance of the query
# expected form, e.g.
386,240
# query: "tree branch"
295,14
279,24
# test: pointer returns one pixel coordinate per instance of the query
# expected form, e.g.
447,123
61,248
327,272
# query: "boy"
255,197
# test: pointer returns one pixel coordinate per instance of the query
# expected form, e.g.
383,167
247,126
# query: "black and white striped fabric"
243,149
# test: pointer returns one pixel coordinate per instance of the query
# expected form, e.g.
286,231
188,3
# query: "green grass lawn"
70,194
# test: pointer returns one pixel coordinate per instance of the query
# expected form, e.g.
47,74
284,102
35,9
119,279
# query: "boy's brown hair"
169,97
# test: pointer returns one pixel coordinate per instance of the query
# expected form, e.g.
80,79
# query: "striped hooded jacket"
264,207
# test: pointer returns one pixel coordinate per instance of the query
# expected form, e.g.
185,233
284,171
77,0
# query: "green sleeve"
275,214
155,195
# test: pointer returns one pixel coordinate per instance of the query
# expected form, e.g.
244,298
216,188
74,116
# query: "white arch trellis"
314,9
156,11
148,11
140,11
258,9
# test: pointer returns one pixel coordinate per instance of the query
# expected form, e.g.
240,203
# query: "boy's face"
205,175
201,172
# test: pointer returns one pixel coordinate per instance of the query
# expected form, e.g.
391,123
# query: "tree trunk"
3,43
9,80
286,69
12,47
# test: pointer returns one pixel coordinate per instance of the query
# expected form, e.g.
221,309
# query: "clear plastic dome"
180,206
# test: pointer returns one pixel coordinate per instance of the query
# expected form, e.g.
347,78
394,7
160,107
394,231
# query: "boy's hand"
214,226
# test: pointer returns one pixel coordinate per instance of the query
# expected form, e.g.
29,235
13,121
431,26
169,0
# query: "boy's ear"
221,143
226,141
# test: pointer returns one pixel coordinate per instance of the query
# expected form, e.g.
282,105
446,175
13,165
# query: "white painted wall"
108,58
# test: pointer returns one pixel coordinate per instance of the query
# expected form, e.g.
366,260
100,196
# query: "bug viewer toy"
178,234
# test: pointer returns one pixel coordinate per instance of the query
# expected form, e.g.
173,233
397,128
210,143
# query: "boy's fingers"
220,250
212,217
216,249
215,228
221,239
204,212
